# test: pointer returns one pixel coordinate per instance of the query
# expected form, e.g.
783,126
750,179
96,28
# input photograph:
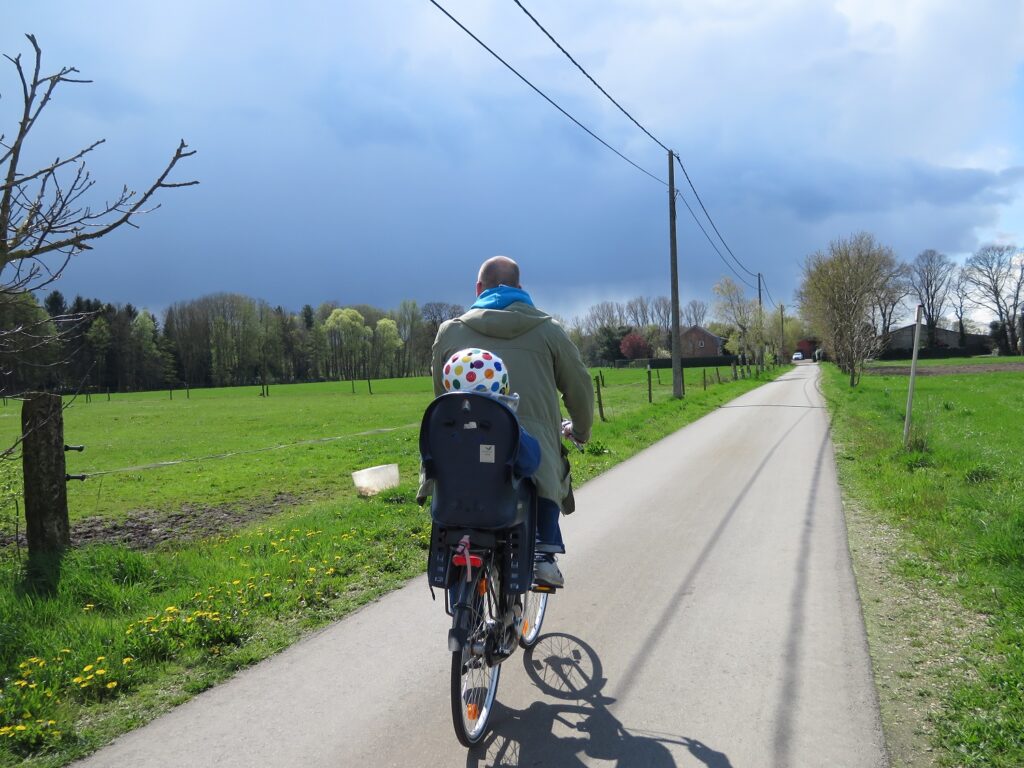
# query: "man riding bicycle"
542,362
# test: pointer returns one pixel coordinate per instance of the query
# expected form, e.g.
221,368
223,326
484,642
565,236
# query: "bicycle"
482,547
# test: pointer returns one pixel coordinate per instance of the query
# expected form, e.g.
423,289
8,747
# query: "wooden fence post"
369,386
650,396
600,402
705,372
601,374
42,458
734,376
718,376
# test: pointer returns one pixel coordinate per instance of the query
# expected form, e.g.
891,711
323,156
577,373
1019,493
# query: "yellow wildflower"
127,660
112,684
87,668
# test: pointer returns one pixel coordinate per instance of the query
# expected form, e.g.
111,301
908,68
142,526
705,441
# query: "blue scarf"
501,297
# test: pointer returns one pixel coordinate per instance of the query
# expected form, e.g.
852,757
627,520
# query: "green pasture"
133,430
958,491
127,634
303,441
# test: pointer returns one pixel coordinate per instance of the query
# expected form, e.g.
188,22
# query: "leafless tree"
996,277
837,297
45,218
959,300
889,293
695,312
732,307
661,312
638,312
930,275
605,314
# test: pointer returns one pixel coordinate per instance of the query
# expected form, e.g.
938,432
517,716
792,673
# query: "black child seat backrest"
468,443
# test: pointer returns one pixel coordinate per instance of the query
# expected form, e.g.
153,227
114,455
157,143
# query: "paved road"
711,619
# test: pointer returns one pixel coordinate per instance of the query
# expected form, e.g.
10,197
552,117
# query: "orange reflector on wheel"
481,587
526,626
472,711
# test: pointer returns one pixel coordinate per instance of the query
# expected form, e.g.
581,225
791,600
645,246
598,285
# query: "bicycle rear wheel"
474,684
535,605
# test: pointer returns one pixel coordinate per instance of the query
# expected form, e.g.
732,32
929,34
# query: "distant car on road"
798,356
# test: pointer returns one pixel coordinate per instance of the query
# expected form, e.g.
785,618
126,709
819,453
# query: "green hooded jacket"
542,362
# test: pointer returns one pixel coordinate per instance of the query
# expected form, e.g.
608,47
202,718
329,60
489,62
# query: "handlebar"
568,435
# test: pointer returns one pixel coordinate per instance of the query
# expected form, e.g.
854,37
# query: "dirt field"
943,370
146,528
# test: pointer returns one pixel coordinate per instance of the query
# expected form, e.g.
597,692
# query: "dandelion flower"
127,660
87,668
112,684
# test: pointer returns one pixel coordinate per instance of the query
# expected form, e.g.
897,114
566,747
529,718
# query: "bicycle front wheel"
535,605
474,683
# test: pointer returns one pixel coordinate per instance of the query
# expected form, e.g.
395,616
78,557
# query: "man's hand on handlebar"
567,434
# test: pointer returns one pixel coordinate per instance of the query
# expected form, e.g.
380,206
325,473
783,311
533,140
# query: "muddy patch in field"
944,370
147,528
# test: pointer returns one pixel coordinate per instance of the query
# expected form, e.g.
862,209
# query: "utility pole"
913,376
677,363
762,352
782,333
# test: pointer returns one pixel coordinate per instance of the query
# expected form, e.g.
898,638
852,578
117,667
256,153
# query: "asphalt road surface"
710,618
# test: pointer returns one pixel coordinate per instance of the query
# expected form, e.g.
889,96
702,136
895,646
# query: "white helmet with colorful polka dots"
475,370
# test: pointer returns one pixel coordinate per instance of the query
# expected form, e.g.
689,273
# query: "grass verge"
128,634
943,523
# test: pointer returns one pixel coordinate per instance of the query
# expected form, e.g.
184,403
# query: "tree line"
228,339
853,293
224,339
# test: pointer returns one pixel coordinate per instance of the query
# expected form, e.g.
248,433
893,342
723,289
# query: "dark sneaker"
545,571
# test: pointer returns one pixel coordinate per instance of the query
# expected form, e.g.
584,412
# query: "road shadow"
577,725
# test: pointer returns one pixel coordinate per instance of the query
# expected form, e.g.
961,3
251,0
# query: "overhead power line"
587,75
712,242
642,128
712,221
769,293
593,135
541,93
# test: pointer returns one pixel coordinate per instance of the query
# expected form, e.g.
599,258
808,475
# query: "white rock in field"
373,480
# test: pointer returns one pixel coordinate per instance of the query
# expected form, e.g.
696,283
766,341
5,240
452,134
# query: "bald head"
497,270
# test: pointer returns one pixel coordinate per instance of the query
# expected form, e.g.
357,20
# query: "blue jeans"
549,533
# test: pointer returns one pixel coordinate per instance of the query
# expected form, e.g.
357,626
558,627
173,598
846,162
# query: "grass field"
958,495
130,633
